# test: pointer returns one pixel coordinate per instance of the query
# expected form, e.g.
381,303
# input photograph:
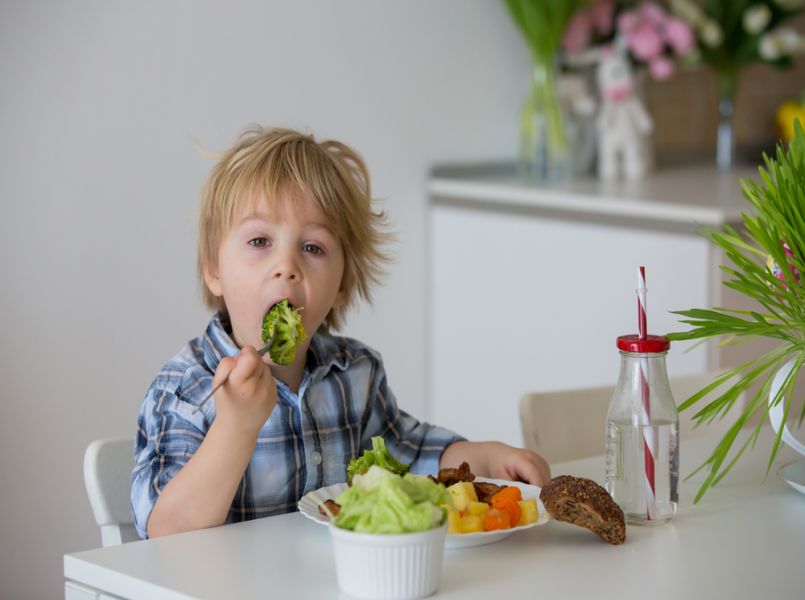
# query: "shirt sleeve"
411,441
168,434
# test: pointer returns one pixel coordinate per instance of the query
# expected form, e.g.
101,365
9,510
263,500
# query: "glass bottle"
642,437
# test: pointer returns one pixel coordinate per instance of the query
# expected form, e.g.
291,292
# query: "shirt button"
316,458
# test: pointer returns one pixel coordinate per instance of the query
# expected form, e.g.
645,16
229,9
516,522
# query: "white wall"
99,183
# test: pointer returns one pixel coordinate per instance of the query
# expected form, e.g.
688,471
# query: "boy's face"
267,257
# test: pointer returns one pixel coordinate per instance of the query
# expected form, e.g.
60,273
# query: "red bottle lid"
652,343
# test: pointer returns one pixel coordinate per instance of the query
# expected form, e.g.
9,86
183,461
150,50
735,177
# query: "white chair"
571,424
107,470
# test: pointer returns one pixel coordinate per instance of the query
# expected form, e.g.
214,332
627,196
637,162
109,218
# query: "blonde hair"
266,161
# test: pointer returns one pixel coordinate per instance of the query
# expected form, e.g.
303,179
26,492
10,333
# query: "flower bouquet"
653,38
544,149
732,34
622,39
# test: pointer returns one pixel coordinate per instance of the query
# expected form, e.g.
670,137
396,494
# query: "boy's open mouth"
290,304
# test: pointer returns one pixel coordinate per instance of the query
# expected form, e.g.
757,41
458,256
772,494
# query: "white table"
743,540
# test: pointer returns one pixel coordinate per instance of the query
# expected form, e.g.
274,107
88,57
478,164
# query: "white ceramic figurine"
623,122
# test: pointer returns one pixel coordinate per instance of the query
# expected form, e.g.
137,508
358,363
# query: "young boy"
282,217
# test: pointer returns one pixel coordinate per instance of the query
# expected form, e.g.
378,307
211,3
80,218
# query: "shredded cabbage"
382,502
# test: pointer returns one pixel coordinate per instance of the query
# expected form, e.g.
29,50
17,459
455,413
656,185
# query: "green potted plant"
768,267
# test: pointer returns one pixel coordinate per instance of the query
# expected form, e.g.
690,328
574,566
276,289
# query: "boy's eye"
259,242
312,249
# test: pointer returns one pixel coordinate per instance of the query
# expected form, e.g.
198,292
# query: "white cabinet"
529,286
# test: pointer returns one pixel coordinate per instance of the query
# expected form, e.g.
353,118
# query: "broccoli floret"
378,455
286,323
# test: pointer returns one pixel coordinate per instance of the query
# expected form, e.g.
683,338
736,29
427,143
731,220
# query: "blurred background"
101,108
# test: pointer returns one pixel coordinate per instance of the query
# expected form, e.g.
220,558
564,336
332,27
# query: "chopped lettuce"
372,478
383,502
378,455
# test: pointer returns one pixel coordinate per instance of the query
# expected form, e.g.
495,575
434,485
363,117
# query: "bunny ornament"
623,122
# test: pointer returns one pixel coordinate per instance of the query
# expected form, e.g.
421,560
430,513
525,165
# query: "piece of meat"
450,476
332,506
485,491
583,502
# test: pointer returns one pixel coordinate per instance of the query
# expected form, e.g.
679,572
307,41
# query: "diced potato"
477,509
528,512
454,521
462,493
472,523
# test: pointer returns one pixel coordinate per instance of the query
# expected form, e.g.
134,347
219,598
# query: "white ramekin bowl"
405,565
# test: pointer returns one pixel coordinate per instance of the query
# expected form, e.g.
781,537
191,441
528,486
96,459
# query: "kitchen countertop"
686,196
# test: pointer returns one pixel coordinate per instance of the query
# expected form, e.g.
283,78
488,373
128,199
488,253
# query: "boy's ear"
212,280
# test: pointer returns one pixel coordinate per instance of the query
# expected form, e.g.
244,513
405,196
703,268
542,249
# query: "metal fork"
260,352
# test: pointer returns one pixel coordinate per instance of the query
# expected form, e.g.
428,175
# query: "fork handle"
260,352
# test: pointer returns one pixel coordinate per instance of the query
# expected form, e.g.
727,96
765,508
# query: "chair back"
107,470
571,424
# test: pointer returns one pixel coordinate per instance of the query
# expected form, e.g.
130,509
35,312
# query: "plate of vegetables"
386,498
471,521
481,514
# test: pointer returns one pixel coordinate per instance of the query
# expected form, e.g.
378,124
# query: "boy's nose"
285,274
286,269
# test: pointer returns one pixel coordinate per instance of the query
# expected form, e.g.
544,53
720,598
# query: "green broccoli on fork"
283,329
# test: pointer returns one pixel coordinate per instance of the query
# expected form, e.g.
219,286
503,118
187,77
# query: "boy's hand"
201,493
499,461
518,464
249,395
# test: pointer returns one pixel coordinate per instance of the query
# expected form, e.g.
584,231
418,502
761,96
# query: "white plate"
794,475
309,508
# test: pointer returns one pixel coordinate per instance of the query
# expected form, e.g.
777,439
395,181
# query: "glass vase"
725,135
544,148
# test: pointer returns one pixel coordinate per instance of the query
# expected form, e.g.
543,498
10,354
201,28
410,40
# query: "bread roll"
583,502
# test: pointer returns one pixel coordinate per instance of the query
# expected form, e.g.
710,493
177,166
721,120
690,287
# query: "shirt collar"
218,343
326,352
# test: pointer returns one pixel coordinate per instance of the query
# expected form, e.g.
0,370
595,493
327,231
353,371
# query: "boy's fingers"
249,367
534,472
225,368
248,361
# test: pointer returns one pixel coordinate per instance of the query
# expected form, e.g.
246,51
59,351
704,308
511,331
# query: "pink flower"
679,35
661,68
778,272
601,15
653,13
578,32
627,21
645,42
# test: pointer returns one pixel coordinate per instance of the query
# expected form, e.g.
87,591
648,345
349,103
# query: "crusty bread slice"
583,502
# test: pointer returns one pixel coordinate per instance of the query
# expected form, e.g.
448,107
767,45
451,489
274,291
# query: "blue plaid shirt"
306,443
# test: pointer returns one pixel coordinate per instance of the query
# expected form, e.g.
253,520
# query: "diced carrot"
511,492
514,514
496,519
510,507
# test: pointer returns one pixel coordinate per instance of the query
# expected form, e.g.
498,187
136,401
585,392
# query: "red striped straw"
648,433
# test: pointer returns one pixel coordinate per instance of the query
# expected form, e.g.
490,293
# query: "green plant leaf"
775,230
